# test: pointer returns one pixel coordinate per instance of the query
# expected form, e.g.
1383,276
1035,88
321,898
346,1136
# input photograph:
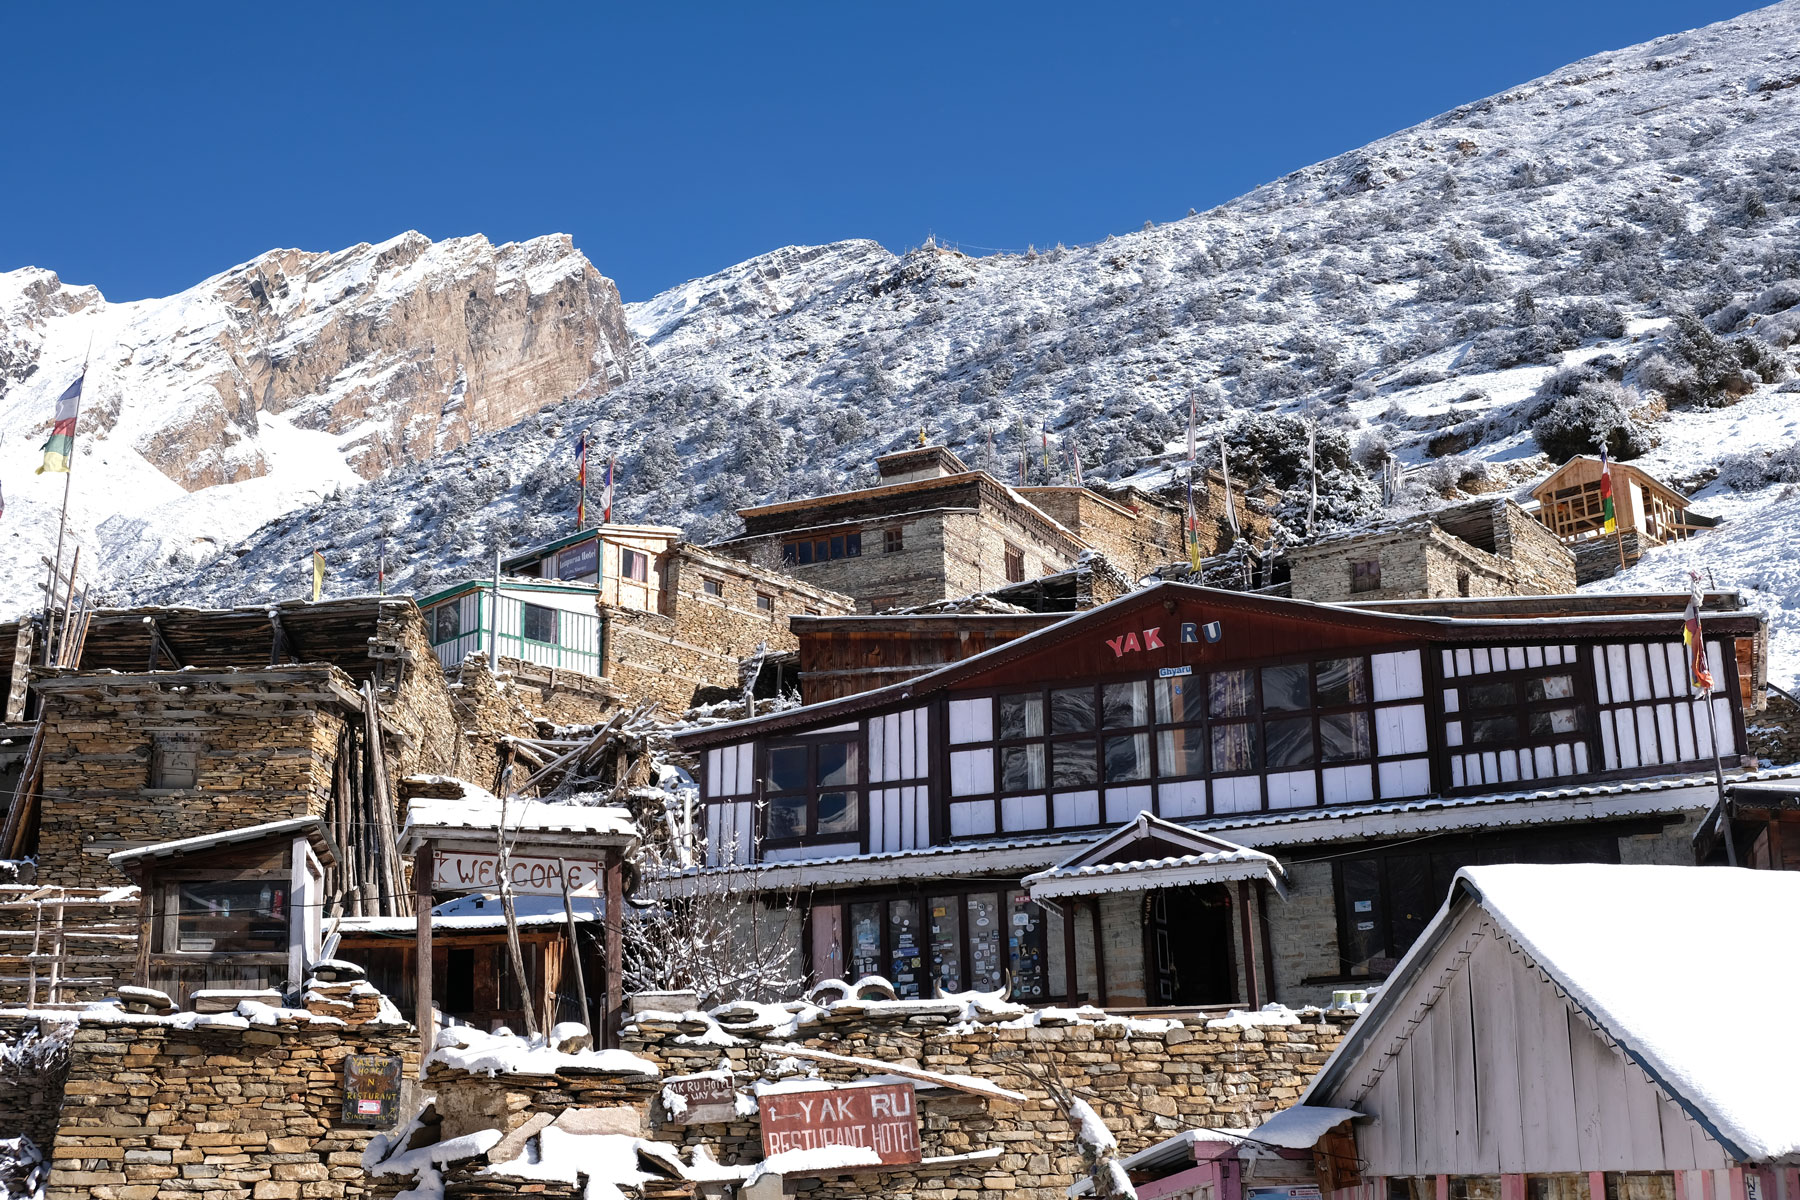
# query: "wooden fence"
60,946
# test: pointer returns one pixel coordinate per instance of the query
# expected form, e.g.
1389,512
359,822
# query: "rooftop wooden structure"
1570,507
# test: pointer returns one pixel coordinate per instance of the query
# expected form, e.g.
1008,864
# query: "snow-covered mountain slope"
279,381
1428,297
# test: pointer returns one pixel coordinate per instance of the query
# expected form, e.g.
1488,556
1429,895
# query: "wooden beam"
1252,988
1067,908
1100,992
422,1007
615,947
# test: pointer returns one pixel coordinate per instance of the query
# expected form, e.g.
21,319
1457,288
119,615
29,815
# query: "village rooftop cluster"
942,838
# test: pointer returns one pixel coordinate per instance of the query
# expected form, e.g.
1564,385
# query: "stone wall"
1421,561
415,696
152,1110
1147,1079
488,707
1598,557
1136,536
975,545
266,742
1774,733
31,1083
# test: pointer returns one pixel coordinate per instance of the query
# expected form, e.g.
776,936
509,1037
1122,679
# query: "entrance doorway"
1188,946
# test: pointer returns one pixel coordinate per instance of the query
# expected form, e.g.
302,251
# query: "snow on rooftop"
478,809
1682,967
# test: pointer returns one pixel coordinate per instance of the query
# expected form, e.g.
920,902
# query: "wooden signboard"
710,1100
472,871
371,1090
882,1116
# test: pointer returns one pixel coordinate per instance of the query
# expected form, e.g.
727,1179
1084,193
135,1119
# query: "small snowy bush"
1747,472
1599,412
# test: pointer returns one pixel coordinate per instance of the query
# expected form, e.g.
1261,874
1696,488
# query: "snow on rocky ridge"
264,388
1426,297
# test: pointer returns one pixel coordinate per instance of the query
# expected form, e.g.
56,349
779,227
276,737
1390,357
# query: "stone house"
1109,789
652,617
1484,548
934,529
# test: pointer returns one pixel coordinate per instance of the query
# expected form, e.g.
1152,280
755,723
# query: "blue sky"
148,146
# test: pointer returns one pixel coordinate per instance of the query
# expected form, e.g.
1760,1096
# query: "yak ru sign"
882,1117
1190,633
472,871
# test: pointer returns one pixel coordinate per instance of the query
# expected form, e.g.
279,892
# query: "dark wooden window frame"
1476,844
820,548
1257,717
893,540
1015,563
922,895
858,790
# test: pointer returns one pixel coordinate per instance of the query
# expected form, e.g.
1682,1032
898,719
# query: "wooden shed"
1569,504
1585,1032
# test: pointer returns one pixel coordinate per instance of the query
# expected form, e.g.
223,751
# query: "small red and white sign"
881,1116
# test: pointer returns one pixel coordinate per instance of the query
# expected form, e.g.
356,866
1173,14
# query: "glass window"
944,927
837,763
1181,752
802,552
1474,1187
1128,758
987,967
249,915
1124,705
837,546
1364,936
1552,721
539,624
787,769
1344,736
906,954
1285,688
1288,743
1488,695
712,587
1233,748
1494,729
853,545
634,564
1342,681
837,812
787,817
1071,710
1021,768
447,621
893,541
865,940
765,602
1180,701
1022,716
1229,694
1072,764
1025,947
1551,687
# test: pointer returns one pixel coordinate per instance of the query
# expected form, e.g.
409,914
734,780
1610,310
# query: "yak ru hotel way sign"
881,1116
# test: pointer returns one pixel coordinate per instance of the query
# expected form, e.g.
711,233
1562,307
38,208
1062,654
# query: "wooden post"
574,943
21,673
146,927
615,947
1252,989
422,1007
1067,908
1101,994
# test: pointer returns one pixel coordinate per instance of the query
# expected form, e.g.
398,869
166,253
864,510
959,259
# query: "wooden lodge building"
1648,513
1192,797
1534,1043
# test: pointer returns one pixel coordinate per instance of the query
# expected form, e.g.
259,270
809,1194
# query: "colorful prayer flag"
59,448
1699,670
1230,504
581,484
1193,527
1610,521
606,497
318,576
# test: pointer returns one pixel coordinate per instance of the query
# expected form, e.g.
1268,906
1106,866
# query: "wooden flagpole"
63,524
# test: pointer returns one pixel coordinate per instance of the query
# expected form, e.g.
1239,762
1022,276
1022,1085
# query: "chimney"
919,462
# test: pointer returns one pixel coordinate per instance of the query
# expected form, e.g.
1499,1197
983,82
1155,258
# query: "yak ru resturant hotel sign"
883,1117
1189,633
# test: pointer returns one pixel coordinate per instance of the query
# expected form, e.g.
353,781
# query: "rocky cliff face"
402,350
281,380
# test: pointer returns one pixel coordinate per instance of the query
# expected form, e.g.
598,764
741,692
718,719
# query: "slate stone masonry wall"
1146,1079
151,1111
